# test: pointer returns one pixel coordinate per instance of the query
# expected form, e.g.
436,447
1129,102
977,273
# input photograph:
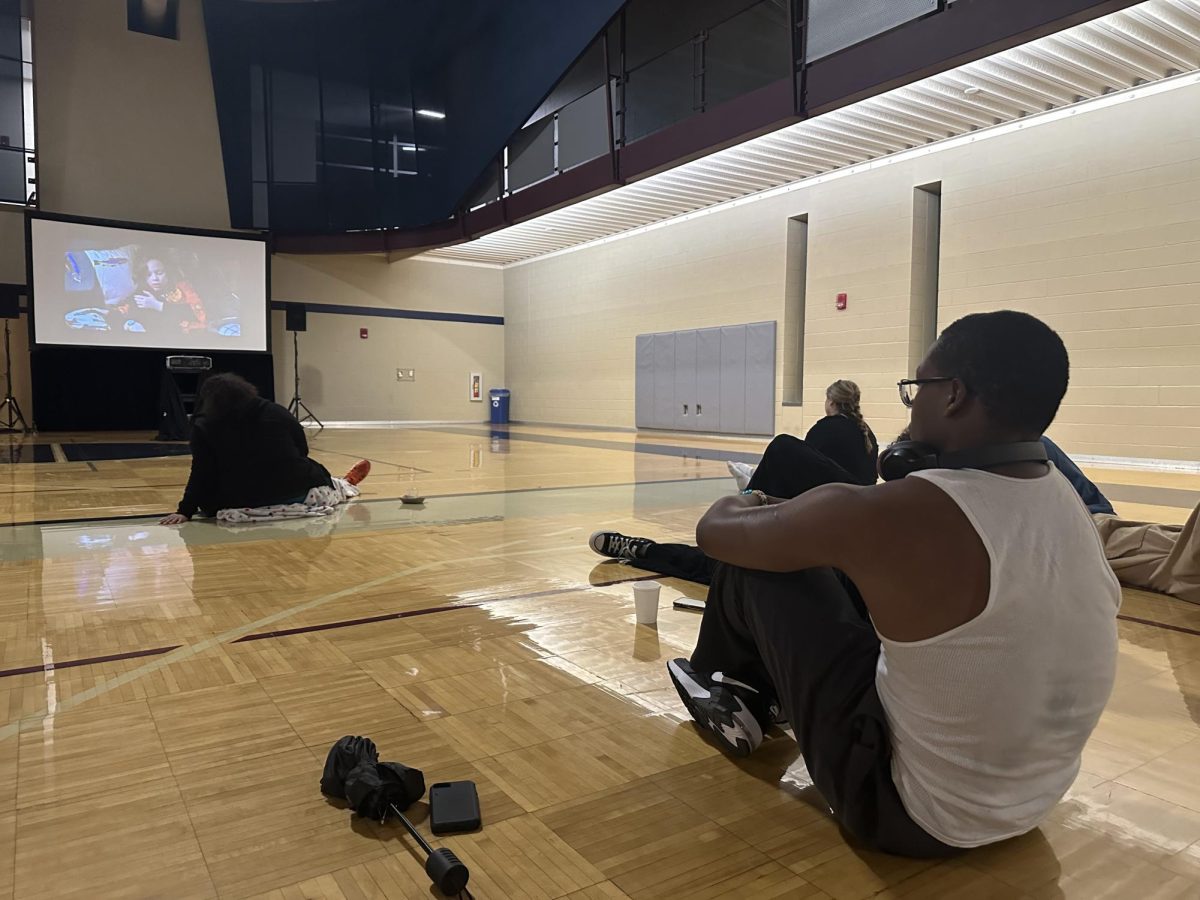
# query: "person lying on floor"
1144,555
943,644
250,461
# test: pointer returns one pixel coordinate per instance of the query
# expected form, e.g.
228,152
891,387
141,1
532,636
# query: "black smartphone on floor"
453,806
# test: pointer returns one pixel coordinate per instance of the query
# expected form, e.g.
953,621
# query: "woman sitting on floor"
250,461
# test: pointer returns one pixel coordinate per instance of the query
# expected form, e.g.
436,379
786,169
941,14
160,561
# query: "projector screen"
98,285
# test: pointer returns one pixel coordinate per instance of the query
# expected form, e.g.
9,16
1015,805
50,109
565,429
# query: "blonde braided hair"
845,397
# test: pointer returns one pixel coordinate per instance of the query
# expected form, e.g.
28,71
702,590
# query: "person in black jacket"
248,452
840,448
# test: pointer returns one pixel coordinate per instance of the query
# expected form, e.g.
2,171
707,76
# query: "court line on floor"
1151,494
360,501
715,454
187,651
89,661
381,462
1181,629
324,626
430,610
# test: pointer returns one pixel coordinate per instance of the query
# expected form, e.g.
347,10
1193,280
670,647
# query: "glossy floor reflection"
167,698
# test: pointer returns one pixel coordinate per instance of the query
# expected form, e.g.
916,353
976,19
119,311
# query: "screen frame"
261,237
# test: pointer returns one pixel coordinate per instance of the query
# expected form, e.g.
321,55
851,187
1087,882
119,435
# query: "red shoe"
359,471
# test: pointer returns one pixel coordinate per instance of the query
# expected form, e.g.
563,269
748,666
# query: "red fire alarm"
841,301
362,333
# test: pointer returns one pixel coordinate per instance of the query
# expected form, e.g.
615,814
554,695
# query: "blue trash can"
500,400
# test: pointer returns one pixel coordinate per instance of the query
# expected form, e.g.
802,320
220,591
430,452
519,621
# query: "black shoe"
718,703
619,546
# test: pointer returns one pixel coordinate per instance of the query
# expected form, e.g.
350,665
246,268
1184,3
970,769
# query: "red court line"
349,623
429,610
1182,629
90,661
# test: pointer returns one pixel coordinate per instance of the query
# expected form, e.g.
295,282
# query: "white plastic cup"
645,601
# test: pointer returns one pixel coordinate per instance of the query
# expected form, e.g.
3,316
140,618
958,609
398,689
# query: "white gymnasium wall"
346,378
1091,222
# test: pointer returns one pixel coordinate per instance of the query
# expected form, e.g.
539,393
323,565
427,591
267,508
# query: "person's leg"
804,637
790,467
678,561
672,560
1146,555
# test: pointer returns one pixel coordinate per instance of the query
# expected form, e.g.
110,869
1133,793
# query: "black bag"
344,757
371,788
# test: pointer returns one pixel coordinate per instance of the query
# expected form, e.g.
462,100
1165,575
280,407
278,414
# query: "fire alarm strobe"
189,363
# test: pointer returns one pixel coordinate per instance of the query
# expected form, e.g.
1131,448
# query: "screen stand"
11,419
296,407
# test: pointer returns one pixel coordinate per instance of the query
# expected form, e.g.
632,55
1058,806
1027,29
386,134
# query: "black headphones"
905,457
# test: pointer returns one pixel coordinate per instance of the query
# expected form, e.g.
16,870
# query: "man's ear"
956,398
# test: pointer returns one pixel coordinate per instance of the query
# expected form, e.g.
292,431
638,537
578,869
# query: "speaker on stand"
296,320
11,417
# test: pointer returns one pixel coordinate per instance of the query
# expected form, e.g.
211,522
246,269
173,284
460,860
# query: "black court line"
381,462
714,453
578,487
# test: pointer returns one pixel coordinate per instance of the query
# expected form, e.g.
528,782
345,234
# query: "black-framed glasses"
908,387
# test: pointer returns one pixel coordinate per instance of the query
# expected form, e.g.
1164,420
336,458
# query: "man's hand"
173,519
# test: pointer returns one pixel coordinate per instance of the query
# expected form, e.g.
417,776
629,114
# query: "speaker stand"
296,407
10,410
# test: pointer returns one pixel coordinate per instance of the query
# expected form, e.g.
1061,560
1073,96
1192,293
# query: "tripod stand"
296,407
12,416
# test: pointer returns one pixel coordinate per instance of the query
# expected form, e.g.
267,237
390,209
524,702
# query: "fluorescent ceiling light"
431,114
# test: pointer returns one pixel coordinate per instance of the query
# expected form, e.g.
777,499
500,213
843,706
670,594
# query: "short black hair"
1014,363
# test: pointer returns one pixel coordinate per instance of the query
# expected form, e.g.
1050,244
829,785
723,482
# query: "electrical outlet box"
406,374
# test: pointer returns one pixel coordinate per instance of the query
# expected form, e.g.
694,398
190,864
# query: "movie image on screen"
106,286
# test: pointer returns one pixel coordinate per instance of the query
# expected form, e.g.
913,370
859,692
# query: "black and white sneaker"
615,545
718,703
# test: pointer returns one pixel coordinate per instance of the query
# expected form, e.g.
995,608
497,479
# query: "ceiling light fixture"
431,114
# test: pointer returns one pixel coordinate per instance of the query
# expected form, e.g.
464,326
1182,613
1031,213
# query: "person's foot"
619,546
741,472
358,471
718,703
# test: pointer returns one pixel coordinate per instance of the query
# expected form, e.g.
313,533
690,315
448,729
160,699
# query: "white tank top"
989,719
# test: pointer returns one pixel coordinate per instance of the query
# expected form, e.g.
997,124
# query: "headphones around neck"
905,457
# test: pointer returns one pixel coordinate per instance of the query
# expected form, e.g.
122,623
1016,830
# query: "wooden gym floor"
168,695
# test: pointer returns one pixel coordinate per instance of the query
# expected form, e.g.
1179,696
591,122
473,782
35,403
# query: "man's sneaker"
358,471
619,546
718,703
741,472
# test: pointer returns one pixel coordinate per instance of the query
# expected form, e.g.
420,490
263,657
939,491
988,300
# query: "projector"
189,363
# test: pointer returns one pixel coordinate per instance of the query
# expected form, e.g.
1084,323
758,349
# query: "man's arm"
817,528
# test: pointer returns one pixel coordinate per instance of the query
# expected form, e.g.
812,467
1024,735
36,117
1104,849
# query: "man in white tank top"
943,644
